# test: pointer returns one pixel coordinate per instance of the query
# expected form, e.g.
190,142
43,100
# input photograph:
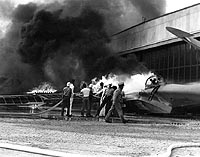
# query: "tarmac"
14,150
78,136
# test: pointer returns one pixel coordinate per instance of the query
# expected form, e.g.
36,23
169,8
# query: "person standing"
100,92
107,100
109,104
72,96
102,111
90,99
117,104
85,91
67,92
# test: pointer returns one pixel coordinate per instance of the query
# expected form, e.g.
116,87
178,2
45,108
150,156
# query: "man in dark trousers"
106,101
117,104
67,92
90,99
86,101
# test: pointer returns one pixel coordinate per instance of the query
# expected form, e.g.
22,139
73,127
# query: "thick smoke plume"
61,41
149,9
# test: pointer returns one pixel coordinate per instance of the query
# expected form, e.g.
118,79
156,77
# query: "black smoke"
48,42
61,41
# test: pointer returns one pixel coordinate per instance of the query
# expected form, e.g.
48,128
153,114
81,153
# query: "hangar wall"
176,62
153,33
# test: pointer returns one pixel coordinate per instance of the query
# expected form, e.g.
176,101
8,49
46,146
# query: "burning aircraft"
160,97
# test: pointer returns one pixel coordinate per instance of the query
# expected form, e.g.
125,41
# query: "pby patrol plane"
160,97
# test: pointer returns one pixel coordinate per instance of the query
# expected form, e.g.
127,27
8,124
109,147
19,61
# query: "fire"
133,83
43,88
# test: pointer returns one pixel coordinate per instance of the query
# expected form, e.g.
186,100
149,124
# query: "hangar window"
182,55
176,56
194,56
198,68
162,61
198,56
188,55
176,61
170,75
193,73
147,59
171,64
182,74
153,60
187,74
166,65
176,74
165,73
157,62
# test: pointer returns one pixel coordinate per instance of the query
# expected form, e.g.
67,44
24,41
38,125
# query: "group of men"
117,102
111,99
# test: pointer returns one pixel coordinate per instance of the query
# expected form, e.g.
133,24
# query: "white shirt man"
86,102
85,92
71,98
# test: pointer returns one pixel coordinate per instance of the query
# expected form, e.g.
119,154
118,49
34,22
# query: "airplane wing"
187,37
179,33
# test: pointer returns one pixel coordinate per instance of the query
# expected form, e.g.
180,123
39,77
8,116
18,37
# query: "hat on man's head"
121,84
68,83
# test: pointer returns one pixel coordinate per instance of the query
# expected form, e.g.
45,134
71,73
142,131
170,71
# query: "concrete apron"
7,149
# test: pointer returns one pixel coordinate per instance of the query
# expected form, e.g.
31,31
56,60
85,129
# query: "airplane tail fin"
178,32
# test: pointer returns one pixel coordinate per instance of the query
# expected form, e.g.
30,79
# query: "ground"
139,137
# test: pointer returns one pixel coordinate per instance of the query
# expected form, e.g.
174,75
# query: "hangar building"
161,51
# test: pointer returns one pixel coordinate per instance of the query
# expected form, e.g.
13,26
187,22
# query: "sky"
173,5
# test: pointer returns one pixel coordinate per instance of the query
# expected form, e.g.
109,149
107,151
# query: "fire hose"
51,108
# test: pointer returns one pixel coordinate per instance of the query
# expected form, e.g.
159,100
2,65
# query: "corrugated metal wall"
177,62
153,32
